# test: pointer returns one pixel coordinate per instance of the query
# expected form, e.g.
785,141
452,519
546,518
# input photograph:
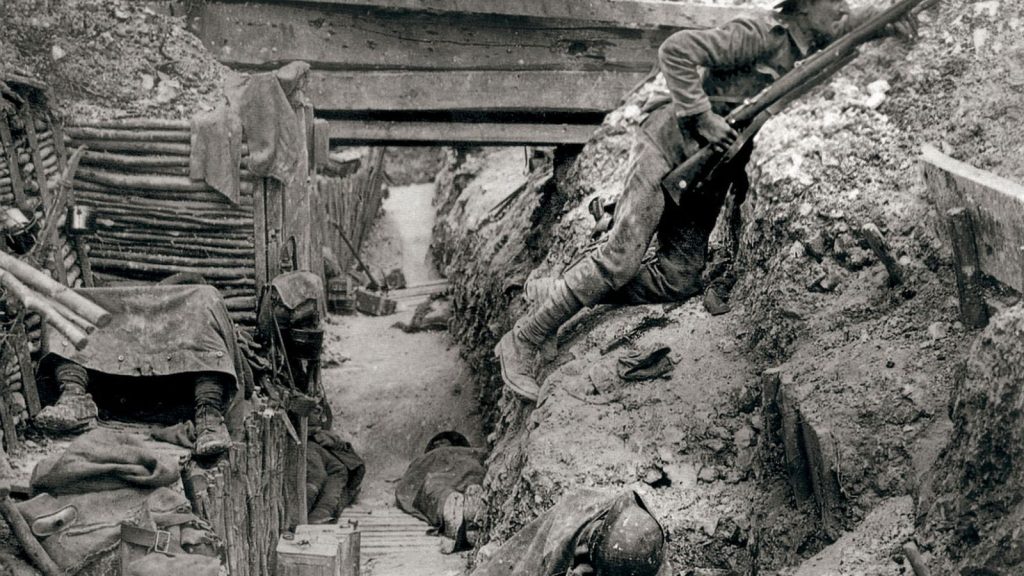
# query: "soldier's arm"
738,43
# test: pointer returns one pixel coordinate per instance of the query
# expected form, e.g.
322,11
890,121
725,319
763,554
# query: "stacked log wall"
152,221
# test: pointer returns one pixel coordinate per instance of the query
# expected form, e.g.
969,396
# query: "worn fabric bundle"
104,459
646,364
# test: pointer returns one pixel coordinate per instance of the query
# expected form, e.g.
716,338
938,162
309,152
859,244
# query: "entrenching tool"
373,282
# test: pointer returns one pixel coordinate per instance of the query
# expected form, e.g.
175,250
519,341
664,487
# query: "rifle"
704,165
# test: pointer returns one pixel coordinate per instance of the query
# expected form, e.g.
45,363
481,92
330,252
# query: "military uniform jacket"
717,69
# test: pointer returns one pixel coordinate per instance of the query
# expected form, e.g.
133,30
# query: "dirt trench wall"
869,367
872,367
971,507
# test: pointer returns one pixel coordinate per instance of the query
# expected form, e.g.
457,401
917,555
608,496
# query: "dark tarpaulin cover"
436,474
544,547
155,331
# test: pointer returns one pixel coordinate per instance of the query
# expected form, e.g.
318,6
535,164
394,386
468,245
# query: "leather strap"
153,540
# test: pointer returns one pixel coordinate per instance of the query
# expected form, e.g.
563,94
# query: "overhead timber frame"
455,71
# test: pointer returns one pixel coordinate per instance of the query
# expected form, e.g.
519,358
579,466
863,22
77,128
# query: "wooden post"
259,221
28,379
7,146
58,140
965,264
295,472
6,414
52,207
274,225
881,249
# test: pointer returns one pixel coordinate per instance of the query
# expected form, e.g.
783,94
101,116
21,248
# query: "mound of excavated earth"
822,455
109,58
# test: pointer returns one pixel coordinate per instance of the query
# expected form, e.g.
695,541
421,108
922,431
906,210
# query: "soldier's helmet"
447,438
629,542
792,6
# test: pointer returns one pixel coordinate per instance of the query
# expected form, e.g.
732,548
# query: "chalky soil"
393,391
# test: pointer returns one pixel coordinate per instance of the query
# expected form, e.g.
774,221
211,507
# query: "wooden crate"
319,550
373,303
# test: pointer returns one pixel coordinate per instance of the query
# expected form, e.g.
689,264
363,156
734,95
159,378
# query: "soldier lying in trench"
708,73
334,475
164,345
442,488
588,532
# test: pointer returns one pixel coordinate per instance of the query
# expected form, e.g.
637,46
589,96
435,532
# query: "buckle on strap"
162,542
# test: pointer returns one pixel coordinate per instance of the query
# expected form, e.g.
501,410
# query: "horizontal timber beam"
493,133
626,13
264,36
534,91
995,205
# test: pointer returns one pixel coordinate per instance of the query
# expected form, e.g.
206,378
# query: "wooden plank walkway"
393,543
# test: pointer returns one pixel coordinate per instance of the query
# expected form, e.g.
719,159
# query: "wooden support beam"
496,133
626,13
965,264
478,90
996,208
266,36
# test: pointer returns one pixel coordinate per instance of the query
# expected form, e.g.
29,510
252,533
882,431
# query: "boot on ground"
473,512
518,349
518,359
74,411
453,517
212,436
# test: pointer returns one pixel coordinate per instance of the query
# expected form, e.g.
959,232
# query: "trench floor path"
393,391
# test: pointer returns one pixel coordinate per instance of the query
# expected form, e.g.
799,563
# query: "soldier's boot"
75,410
518,349
453,516
212,436
461,517
473,512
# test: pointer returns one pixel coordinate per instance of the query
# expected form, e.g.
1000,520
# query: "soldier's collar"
801,37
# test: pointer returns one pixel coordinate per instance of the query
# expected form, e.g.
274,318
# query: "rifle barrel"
811,67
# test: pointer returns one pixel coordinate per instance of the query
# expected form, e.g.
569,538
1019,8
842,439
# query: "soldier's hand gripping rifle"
752,114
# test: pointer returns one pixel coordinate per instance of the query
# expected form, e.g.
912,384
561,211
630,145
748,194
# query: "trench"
391,391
